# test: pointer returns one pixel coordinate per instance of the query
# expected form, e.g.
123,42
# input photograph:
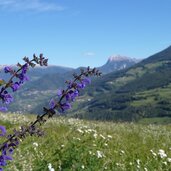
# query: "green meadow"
79,145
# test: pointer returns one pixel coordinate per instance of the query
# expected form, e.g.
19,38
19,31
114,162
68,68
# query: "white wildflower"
78,139
169,160
102,136
50,167
145,169
109,136
95,135
62,145
35,144
122,152
105,144
80,131
165,163
100,154
82,166
162,154
153,153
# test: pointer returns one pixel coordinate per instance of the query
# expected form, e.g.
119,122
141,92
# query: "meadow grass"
76,145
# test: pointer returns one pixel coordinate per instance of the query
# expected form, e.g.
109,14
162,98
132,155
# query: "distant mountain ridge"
46,80
118,62
141,91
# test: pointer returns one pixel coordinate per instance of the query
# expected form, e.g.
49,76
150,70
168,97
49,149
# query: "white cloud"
29,5
89,54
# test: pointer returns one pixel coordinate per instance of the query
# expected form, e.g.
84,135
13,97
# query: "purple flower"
86,80
6,97
65,106
2,161
7,69
23,77
24,68
15,86
70,84
52,103
71,95
81,85
3,109
3,130
59,93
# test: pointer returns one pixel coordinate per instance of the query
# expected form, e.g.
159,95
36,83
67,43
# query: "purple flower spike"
15,86
3,130
3,109
7,69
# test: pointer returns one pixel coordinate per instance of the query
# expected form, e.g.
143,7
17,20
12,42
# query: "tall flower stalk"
61,103
20,77
6,98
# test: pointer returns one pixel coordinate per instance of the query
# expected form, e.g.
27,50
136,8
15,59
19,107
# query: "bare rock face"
118,62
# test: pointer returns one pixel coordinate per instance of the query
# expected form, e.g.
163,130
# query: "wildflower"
86,81
3,130
71,95
50,167
102,136
138,161
80,131
7,69
81,85
109,136
24,68
52,103
6,97
169,160
65,106
59,93
95,135
162,154
23,77
35,144
3,109
153,153
99,154
165,163
83,167
122,152
15,86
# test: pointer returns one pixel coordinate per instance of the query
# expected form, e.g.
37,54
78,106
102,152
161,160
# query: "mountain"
116,63
44,82
141,91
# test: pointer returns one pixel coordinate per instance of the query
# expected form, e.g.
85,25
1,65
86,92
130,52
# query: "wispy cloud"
30,5
89,54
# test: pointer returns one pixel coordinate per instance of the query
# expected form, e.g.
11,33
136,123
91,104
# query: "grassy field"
76,145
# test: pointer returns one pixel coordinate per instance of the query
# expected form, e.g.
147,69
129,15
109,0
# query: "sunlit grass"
74,145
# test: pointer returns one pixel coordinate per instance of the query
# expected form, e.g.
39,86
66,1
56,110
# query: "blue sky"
83,32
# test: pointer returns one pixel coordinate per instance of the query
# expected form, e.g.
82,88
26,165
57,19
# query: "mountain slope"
142,90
